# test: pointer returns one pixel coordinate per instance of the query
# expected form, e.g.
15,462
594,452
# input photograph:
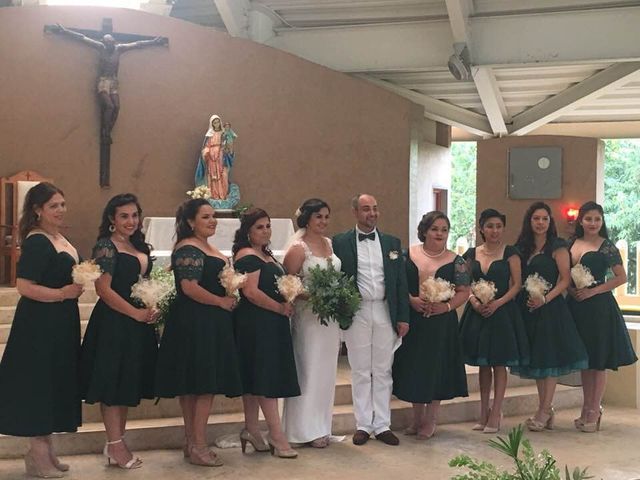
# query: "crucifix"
110,46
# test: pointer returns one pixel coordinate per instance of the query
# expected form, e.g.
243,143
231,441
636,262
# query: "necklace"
427,254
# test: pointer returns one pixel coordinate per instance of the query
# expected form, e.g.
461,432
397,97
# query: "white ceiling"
533,62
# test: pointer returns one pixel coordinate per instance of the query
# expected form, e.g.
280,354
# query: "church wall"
304,130
582,178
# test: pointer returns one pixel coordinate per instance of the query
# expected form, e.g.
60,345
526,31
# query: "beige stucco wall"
582,177
304,130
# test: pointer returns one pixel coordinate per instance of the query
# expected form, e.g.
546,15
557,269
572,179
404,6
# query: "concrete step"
7,313
168,433
9,296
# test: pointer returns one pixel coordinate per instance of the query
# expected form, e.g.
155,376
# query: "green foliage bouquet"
165,277
333,295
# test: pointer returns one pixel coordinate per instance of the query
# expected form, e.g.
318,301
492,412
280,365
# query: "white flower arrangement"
581,276
232,281
200,192
436,290
86,273
393,255
289,286
484,290
536,286
151,291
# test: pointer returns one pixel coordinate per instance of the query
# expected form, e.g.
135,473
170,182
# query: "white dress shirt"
370,267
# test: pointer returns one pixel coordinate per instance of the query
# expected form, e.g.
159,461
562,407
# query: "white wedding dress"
315,348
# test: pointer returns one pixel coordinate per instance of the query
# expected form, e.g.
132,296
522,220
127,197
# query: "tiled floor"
612,454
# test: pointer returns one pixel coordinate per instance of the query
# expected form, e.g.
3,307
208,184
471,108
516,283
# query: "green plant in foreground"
528,466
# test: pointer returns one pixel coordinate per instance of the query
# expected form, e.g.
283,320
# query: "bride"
307,418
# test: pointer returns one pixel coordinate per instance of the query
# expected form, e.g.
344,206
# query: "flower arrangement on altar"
484,290
232,281
536,286
290,287
436,290
581,276
200,192
85,273
333,295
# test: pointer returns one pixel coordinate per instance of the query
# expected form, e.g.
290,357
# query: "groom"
375,260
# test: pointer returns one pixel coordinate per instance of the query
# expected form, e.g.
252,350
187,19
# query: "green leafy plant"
528,465
333,295
165,276
240,209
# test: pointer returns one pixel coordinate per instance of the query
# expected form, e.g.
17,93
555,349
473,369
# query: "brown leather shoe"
360,437
388,437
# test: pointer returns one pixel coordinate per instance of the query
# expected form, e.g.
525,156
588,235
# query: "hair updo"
308,208
490,213
429,219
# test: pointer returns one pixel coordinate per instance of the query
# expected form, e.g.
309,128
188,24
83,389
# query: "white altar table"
160,233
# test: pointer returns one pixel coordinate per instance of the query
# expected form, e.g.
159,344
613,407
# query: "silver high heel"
130,465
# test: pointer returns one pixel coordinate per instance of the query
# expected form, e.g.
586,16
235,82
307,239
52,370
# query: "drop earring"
112,228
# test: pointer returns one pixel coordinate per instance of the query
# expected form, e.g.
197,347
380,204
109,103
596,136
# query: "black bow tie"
367,236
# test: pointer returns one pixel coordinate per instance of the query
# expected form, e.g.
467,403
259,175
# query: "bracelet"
448,307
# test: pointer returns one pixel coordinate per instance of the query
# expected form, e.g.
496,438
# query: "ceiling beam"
458,12
438,110
235,15
597,35
491,99
571,98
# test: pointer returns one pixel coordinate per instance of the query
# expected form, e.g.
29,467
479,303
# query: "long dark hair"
526,243
308,208
590,205
36,197
187,211
490,213
429,219
109,213
247,220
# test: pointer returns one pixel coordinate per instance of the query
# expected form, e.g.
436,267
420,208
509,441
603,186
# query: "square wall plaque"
535,172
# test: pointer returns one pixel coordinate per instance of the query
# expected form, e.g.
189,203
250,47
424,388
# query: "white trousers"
370,341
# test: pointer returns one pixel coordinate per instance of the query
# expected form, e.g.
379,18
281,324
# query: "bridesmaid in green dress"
119,348
596,312
493,334
198,357
555,346
428,367
263,334
39,369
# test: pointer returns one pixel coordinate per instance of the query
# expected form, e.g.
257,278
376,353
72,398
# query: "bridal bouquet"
484,290
232,281
289,286
536,286
156,292
436,290
86,273
333,295
200,192
581,276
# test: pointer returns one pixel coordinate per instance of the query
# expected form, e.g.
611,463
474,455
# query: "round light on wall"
543,163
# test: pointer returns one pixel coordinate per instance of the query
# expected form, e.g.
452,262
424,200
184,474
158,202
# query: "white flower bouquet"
85,273
232,281
153,290
289,286
200,192
436,290
536,286
581,276
484,290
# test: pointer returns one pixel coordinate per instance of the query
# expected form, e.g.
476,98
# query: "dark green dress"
118,352
197,353
39,391
429,365
500,339
263,338
554,344
599,320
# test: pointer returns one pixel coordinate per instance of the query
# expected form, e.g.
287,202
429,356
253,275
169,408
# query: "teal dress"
429,364
39,388
501,339
118,353
599,320
263,337
554,343
198,351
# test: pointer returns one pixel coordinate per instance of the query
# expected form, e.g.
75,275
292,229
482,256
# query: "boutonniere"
393,255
